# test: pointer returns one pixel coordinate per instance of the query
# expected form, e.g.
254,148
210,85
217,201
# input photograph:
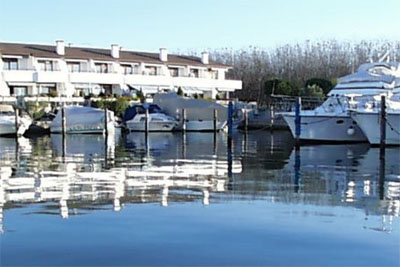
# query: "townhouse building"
64,70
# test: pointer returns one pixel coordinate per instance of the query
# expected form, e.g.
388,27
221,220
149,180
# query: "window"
107,89
46,65
10,63
74,66
174,72
194,73
101,67
214,74
128,69
48,89
18,90
151,70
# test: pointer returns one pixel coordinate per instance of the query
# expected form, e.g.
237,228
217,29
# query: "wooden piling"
246,120
183,120
272,116
230,121
215,120
16,121
105,122
146,121
383,122
63,121
297,120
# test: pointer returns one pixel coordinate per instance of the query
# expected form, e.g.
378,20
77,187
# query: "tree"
323,84
279,87
312,90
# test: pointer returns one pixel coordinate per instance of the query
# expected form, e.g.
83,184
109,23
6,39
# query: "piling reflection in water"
89,172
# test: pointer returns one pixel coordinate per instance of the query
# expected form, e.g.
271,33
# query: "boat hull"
7,125
84,129
326,128
153,126
369,122
202,126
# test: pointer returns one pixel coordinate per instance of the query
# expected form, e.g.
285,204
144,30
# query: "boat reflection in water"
88,172
85,173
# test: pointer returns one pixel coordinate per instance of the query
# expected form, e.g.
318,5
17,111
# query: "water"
174,200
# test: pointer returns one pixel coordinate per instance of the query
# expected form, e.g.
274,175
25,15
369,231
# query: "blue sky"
189,25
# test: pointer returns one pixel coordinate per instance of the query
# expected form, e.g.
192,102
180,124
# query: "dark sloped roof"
49,51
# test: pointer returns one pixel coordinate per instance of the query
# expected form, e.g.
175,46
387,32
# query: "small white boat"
84,120
199,113
368,119
135,119
7,121
331,121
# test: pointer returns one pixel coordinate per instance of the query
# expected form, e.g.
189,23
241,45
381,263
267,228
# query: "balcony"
228,85
55,76
95,77
19,75
160,80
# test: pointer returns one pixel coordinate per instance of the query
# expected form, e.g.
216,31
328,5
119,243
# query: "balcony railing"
19,69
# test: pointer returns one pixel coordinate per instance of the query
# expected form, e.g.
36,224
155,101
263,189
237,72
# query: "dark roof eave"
79,53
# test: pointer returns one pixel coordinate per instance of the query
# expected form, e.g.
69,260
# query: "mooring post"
183,120
215,120
383,121
246,120
272,116
230,121
297,120
63,120
146,121
16,122
105,122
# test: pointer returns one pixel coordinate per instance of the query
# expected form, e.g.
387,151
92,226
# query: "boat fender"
350,130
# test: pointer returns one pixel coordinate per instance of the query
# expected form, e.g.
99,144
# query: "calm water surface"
189,200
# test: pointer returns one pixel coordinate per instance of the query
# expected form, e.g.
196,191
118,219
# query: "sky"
196,25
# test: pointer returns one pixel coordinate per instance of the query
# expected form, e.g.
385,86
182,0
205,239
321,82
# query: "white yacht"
368,119
7,121
135,119
199,114
85,120
331,121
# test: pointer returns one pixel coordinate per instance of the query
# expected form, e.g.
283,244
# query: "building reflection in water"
89,172
79,180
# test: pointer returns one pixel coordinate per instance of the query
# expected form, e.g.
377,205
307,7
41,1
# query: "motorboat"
135,119
8,121
192,114
368,118
331,121
85,120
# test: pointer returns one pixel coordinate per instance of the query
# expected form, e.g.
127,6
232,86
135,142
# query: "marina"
208,133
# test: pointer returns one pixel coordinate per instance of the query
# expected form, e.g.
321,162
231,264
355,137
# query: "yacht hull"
326,128
369,123
7,125
202,126
157,126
